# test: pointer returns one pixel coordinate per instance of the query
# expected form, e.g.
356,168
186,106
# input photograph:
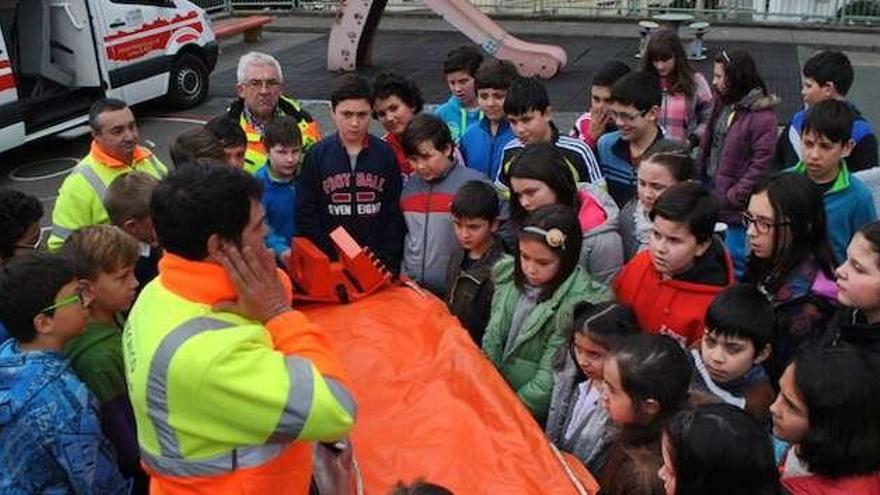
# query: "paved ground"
300,44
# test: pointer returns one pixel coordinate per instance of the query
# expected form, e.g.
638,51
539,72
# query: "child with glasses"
106,256
635,106
790,261
20,215
50,436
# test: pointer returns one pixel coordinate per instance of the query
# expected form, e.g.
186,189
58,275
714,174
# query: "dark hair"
389,84
193,203
741,75
605,323
227,131
465,58
543,162
654,367
840,389
830,67
609,72
476,199
426,127
28,284
546,218
665,44
871,232
18,211
640,89
830,118
101,106
673,156
282,130
720,449
691,204
495,74
195,145
419,487
351,87
526,94
743,311
798,205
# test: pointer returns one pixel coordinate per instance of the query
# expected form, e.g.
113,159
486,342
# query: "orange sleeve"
293,333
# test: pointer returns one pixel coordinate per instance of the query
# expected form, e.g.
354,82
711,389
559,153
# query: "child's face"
491,102
539,263
114,291
719,78
284,160
235,155
532,193
590,355
822,156
600,98
532,127
29,241
619,404
664,67
70,320
393,114
726,357
673,247
653,179
858,278
429,162
352,119
761,228
791,419
461,85
632,123
667,470
812,92
473,233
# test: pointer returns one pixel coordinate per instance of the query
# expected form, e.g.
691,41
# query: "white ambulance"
58,56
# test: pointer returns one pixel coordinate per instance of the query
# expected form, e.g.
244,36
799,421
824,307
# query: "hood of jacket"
713,269
756,100
23,375
598,212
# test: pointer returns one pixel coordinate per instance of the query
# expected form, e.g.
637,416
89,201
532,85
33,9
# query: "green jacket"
96,357
527,365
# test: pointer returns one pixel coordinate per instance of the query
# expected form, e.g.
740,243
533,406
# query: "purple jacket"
745,154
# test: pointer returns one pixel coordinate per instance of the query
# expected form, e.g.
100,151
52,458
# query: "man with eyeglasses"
635,106
260,99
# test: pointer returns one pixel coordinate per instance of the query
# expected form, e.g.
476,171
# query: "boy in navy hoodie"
351,179
482,145
283,142
50,436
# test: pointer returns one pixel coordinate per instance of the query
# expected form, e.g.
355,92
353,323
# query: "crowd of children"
683,298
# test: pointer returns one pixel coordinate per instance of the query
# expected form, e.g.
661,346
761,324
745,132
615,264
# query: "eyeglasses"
625,117
257,84
78,297
762,226
33,247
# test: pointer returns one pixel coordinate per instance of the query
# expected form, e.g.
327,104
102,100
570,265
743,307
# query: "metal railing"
866,12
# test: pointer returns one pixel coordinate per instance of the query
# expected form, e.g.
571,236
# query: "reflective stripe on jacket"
224,404
255,154
81,196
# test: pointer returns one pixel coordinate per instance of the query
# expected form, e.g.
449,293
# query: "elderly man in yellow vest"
115,151
259,89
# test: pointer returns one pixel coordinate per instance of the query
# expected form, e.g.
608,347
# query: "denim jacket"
50,436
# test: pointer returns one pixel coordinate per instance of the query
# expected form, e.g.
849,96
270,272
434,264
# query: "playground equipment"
352,35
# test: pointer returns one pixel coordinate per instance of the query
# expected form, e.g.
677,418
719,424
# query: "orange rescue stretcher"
430,405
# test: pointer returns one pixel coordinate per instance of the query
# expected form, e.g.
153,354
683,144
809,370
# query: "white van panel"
71,28
145,89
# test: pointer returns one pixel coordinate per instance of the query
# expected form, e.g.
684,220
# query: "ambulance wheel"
188,86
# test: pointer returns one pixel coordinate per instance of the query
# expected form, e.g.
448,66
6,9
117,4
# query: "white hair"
256,58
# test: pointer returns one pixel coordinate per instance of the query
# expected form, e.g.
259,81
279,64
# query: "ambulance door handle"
69,12
117,24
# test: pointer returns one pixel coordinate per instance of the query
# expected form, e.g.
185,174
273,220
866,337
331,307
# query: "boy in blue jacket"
283,142
351,179
50,436
482,146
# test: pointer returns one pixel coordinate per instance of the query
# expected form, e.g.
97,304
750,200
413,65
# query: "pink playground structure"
351,37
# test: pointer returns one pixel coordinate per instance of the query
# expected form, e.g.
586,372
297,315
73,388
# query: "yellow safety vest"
255,154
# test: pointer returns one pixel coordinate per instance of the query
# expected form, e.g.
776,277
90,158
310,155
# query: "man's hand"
598,123
260,295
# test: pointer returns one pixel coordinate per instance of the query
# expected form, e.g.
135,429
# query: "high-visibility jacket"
223,404
80,200
255,154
